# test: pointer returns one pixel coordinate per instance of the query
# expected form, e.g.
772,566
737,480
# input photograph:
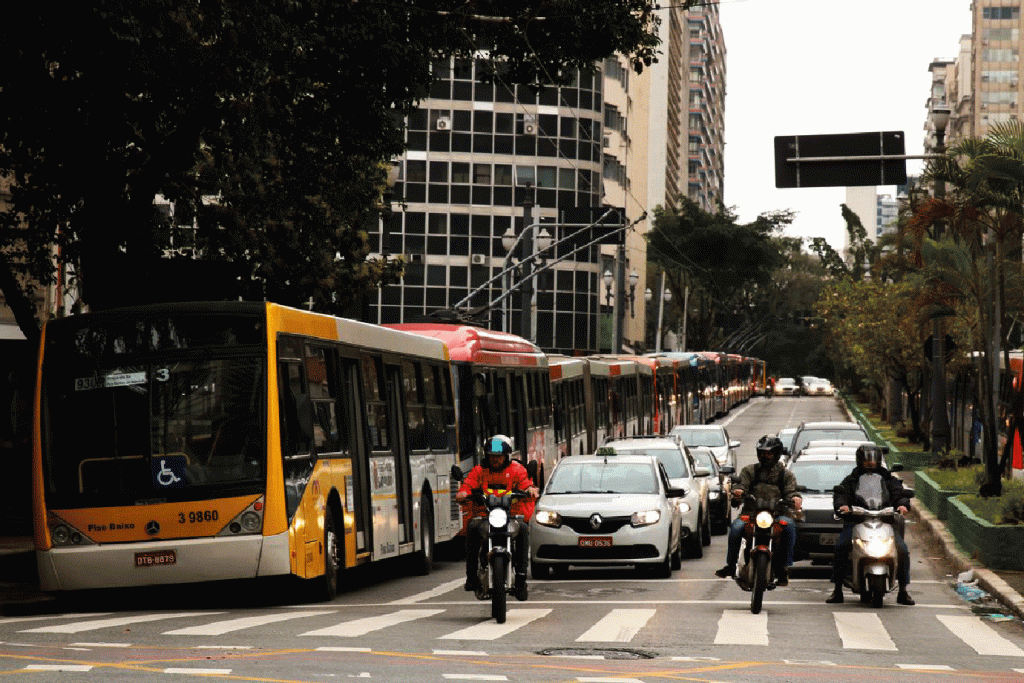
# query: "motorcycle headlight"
764,519
497,517
713,495
875,547
683,507
645,518
548,518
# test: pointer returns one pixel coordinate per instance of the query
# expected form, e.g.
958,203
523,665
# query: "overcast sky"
811,67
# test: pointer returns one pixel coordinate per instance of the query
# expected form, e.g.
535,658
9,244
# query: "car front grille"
640,551
582,525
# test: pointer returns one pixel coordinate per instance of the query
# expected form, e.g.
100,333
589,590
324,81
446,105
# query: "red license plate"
156,558
595,542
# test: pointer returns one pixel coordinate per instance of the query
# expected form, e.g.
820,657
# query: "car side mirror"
701,471
735,444
726,469
675,493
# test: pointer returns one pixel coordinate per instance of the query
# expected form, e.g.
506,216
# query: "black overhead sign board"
832,160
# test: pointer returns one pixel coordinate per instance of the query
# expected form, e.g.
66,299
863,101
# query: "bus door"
397,385
383,388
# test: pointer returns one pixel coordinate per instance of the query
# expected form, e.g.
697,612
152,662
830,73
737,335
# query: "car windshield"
703,458
671,458
701,437
606,477
786,381
852,433
820,477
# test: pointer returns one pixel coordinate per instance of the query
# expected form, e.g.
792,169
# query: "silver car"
606,511
684,472
714,437
832,431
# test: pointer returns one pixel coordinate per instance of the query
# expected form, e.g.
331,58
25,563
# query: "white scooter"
873,558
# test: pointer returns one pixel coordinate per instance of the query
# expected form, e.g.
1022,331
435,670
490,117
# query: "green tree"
269,123
725,264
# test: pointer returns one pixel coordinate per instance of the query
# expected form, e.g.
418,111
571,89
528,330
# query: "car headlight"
645,518
497,517
714,495
764,519
683,507
548,518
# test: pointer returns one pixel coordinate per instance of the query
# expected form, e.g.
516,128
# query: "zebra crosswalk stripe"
490,630
219,628
97,624
618,626
360,627
862,631
980,636
739,627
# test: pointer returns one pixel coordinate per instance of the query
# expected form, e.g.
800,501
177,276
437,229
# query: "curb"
987,579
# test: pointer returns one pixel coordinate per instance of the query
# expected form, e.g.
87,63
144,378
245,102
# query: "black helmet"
499,444
769,449
869,456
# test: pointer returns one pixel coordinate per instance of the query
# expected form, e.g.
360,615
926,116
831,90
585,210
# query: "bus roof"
467,343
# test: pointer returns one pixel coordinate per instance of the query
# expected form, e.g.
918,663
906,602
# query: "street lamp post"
526,316
609,279
940,423
634,277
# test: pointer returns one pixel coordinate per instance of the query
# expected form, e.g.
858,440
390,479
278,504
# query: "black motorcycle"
761,533
495,580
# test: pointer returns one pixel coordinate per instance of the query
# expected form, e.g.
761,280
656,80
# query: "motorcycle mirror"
531,470
896,467
727,469
456,473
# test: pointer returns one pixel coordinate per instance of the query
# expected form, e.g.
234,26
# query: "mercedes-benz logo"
595,521
152,527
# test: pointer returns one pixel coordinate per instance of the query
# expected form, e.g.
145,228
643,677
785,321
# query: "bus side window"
296,411
376,410
414,408
321,375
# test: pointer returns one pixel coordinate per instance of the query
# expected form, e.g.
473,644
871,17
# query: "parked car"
816,431
683,473
817,474
607,510
787,386
715,437
719,488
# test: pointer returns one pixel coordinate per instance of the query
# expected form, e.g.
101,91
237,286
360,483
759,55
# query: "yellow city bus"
193,442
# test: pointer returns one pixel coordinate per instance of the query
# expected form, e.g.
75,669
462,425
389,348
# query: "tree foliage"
269,123
727,266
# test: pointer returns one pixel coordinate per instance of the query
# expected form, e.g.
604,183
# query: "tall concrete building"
477,153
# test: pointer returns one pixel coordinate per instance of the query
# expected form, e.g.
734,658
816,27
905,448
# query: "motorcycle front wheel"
877,584
499,594
760,582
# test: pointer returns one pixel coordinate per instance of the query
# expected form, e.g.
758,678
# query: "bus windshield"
152,427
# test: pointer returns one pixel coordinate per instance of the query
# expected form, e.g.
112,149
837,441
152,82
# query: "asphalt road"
590,626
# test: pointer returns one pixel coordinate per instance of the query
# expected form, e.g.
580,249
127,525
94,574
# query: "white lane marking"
862,631
461,653
343,649
982,637
926,667
360,627
222,647
618,626
474,677
737,627
607,679
58,667
179,670
219,628
16,620
79,626
491,630
99,644
446,587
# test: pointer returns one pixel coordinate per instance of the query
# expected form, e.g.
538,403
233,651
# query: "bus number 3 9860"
198,516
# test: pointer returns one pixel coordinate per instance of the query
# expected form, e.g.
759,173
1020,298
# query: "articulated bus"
195,442
572,396
502,386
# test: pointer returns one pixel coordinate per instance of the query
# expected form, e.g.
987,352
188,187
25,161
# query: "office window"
415,171
460,172
482,174
525,175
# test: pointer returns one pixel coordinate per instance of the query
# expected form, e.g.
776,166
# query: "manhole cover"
605,653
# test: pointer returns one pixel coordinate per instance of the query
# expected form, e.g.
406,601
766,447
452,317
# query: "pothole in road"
604,653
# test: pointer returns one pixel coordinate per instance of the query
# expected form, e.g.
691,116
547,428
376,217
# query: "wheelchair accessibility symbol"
168,472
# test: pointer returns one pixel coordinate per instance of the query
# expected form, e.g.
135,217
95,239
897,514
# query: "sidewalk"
19,583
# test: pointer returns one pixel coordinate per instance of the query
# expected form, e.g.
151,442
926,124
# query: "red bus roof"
478,345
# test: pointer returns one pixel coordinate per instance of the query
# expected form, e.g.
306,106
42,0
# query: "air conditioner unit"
606,141
529,128
478,259
444,123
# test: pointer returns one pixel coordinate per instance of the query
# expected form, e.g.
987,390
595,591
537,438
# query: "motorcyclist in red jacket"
502,473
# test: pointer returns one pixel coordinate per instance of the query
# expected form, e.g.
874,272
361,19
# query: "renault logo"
152,527
595,521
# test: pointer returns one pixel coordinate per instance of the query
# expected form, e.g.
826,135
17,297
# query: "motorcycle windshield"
871,491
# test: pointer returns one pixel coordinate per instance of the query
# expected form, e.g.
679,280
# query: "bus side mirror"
456,473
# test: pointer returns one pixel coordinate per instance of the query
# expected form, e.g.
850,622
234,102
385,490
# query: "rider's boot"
837,595
727,572
521,591
903,597
781,576
472,582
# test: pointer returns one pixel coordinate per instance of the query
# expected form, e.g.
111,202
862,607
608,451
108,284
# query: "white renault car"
604,511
